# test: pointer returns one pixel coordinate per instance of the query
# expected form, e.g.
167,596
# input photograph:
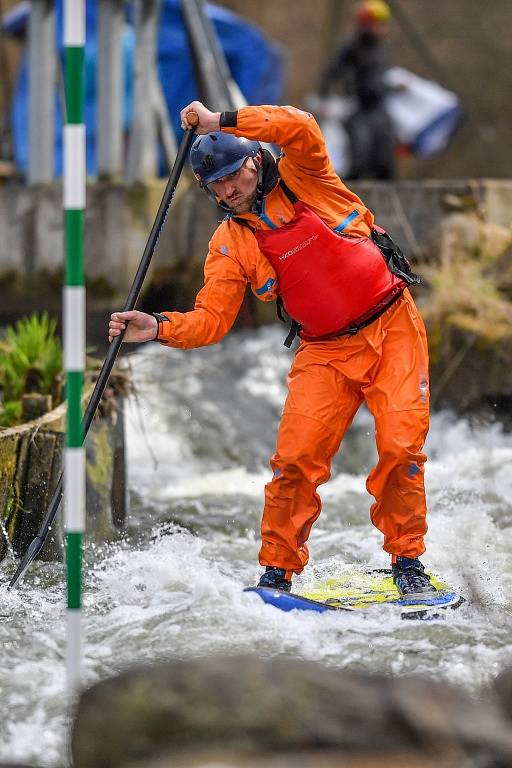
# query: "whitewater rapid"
200,432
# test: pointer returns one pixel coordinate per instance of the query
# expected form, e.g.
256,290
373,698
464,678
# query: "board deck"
363,590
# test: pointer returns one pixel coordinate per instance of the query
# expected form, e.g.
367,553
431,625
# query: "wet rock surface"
255,708
503,688
316,759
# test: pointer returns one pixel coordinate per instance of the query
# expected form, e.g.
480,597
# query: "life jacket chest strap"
295,327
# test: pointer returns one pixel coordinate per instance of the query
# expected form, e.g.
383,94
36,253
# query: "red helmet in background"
371,11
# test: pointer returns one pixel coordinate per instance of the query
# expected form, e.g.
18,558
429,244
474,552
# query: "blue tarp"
256,63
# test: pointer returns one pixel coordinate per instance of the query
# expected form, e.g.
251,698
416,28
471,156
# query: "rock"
503,688
314,759
253,707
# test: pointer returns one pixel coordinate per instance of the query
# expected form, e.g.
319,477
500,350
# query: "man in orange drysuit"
296,233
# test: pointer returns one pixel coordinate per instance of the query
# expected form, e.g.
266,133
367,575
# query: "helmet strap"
259,186
213,197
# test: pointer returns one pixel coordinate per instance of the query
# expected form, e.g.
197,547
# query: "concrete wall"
119,219
418,214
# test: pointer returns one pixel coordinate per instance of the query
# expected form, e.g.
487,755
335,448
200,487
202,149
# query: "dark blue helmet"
218,154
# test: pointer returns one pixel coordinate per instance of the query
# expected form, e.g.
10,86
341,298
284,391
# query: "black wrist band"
228,119
159,319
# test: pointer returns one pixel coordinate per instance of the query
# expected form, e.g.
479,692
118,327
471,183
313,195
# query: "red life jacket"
329,283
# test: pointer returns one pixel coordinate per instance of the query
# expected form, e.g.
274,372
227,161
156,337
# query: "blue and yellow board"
363,590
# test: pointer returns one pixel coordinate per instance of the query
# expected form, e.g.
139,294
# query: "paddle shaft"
106,369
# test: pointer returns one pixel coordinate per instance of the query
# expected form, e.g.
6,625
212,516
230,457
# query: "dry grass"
469,286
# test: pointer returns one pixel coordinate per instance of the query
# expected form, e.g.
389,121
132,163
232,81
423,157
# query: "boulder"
252,707
313,759
503,688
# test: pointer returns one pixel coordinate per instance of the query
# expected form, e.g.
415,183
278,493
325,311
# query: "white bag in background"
425,115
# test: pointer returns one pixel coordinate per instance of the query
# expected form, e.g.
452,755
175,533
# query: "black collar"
268,178
270,174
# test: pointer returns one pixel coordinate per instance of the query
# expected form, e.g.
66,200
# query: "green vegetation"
30,361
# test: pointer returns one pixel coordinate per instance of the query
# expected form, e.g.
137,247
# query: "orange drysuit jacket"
234,258
384,364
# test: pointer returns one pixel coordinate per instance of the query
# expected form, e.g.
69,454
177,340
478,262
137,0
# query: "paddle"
37,544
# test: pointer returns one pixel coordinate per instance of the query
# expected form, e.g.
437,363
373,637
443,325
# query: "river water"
200,432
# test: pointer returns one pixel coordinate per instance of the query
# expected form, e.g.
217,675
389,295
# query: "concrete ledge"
119,219
434,221
117,225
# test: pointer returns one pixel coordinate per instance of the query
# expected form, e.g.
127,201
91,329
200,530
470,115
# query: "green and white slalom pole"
74,326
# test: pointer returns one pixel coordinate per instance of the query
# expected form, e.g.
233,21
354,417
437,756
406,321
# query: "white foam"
168,592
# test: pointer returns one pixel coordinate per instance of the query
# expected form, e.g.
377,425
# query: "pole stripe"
74,324
74,432
74,163
74,63
74,23
74,328
74,238
74,568
74,478
74,648
73,651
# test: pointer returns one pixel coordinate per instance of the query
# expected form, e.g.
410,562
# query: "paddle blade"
31,554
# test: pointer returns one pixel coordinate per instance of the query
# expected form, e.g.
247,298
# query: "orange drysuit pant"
386,366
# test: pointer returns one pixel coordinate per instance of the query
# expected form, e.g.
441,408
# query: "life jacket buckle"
294,331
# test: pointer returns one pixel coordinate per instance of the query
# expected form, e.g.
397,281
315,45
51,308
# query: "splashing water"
199,438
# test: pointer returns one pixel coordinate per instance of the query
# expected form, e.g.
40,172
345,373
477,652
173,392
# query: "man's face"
375,28
238,190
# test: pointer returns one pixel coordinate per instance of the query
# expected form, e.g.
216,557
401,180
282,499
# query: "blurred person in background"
297,234
358,66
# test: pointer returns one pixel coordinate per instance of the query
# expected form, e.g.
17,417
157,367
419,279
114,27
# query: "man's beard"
244,204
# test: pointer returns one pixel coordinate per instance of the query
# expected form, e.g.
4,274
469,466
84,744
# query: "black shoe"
410,577
275,579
